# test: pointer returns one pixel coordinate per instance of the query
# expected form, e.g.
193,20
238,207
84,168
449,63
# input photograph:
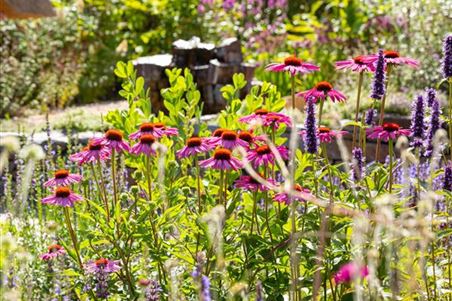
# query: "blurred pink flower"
53,252
102,265
349,272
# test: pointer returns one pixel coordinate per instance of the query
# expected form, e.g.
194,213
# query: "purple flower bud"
370,117
153,290
431,96
101,285
205,288
259,294
447,56
357,164
378,82
434,121
228,4
447,184
311,128
417,122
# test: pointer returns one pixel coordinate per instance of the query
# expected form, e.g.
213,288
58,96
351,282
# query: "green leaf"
139,85
120,70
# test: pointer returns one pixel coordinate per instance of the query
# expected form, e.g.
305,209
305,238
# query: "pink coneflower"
95,151
145,146
321,91
195,145
113,139
102,265
62,177
53,252
350,271
326,135
248,137
156,129
356,64
293,65
166,131
274,120
63,196
266,118
212,141
283,197
263,155
393,58
222,159
229,139
249,183
387,131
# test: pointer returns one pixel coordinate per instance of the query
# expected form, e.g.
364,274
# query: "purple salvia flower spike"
434,125
447,184
358,163
311,128
447,56
431,96
378,82
370,117
153,291
417,122
205,288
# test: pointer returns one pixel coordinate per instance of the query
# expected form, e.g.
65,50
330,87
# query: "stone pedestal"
212,68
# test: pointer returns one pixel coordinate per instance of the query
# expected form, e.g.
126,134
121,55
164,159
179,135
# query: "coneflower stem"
321,111
324,227
254,215
293,91
362,135
101,194
149,182
391,159
72,235
113,174
220,188
267,218
148,177
225,184
198,176
358,97
101,176
382,110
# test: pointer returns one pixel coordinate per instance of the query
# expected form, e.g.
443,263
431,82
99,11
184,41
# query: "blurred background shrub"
55,62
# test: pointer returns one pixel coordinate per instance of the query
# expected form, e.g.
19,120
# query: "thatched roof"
18,9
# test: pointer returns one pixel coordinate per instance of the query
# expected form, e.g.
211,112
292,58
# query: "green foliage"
41,63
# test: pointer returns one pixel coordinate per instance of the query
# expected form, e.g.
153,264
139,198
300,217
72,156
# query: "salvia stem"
358,97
